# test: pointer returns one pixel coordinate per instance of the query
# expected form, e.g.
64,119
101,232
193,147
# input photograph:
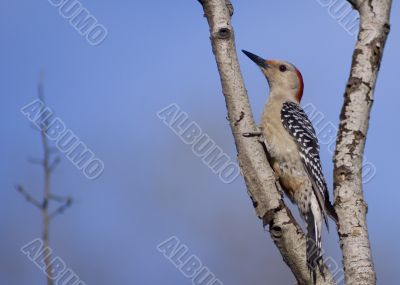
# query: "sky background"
153,186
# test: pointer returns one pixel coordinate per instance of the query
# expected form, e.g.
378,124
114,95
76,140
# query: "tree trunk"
348,158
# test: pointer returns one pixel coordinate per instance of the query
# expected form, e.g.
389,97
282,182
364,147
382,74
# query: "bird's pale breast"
283,151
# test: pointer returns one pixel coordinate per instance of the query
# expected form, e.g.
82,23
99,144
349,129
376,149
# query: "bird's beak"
258,60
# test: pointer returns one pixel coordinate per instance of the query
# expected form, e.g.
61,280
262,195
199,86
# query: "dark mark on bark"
371,7
255,203
224,33
230,7
240,118
362,203
386,27
376,46
358,136
268,218
342,115
269,215
276,232
341,174
353,84
375,58
337,202
356,53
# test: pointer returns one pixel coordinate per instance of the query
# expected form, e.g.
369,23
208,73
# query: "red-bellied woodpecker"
293,152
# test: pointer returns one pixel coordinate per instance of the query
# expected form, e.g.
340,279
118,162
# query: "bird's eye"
282,68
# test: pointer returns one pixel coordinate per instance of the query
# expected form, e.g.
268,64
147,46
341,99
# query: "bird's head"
283,77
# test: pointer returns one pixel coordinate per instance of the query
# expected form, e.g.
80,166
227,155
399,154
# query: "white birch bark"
349,201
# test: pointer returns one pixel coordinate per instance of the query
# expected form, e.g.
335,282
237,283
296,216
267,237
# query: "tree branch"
46,190
358,98
28,197
66,204
258,175
48,163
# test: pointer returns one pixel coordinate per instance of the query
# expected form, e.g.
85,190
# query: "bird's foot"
253,134
259,133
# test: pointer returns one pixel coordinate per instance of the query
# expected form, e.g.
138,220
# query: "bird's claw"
259,134
252,134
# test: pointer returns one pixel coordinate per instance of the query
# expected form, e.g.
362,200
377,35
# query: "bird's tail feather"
313,247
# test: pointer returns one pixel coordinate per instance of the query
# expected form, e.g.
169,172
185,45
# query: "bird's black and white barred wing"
296,122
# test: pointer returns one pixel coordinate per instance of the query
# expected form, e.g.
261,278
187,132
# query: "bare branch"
258,175
349,201
46,188
28,197
62,208
49,162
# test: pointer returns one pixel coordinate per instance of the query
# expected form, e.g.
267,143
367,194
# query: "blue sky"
153,186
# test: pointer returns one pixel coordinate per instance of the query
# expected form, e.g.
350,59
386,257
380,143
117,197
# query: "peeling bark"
258,175
349,200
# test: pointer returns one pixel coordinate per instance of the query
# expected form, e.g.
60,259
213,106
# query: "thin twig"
28,197
61,208
46,190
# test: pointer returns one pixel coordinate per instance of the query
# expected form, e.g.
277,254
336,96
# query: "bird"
293,152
